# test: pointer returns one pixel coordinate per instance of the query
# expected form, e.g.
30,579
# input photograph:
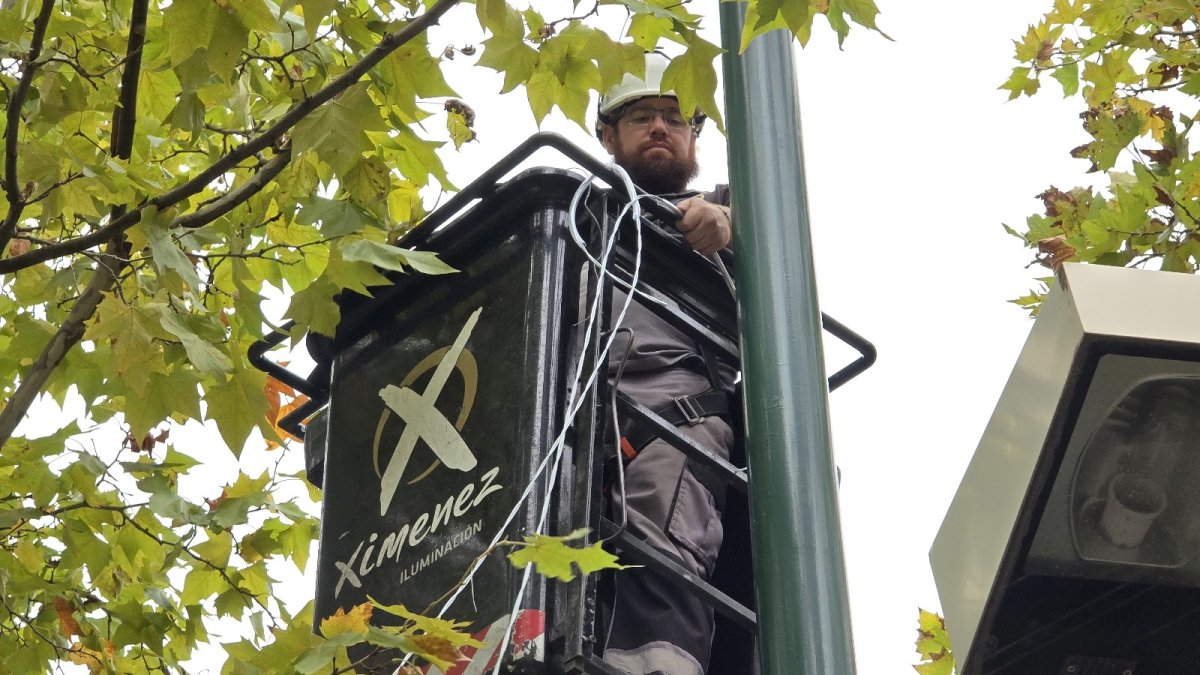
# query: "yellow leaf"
1152,123
553,558
460,132
444,628
355,621
933,645
82,656
437,650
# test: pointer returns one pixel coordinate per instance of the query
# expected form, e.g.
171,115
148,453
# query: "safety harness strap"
690,410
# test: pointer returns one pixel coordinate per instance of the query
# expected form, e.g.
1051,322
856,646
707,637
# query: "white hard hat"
632,87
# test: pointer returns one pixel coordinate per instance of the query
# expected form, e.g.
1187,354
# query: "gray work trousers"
654,627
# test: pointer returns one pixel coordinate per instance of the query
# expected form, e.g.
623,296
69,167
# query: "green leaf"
613,59
394,258
368,183
173,395
862,12
1068,76
336,131
357,276
156,94
314,309
30,557
509,54
646,30
417,159
165,252
203,26
336,217
254,15
564,77
435,640
129,332
216,549
1113,131
756,23
201,352
315,11
694,79
238,406
10,517
412,73
316,658
492,14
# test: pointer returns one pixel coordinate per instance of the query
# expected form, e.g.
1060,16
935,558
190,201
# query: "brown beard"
657,174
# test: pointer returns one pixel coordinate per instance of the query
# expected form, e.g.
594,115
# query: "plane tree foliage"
1134,68
165,166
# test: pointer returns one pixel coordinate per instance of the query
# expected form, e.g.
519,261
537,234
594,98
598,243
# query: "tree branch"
105,277
233,158
68,335
230,200
12,187
125,116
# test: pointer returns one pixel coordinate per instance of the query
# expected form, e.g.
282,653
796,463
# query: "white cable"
724,274
580,395
634,205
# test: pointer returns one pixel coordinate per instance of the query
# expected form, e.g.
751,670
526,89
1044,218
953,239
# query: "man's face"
660,158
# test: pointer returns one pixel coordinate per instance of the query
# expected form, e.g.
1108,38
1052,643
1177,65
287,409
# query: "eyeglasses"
640,118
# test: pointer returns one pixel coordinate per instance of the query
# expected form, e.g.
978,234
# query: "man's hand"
707,227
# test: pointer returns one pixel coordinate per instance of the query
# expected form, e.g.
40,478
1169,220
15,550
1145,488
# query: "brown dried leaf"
67,622
18,247
1058,250
455,105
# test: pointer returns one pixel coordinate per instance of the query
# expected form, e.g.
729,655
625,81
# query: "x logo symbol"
424,421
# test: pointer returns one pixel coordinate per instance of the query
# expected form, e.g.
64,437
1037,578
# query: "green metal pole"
803,606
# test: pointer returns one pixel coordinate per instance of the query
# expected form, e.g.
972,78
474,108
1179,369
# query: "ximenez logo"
423,421
422,418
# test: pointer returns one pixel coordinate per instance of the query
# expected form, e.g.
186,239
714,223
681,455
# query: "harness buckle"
692,413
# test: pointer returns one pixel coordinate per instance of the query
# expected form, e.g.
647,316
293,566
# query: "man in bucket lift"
653,628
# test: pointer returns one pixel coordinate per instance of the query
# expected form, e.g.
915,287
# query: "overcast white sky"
914,160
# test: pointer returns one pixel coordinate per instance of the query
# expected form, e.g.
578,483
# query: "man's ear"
608,138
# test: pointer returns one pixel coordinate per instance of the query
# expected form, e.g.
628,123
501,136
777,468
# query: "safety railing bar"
669,433
641,552
860,344
491,177
486,182
257,354
683,321
293,422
